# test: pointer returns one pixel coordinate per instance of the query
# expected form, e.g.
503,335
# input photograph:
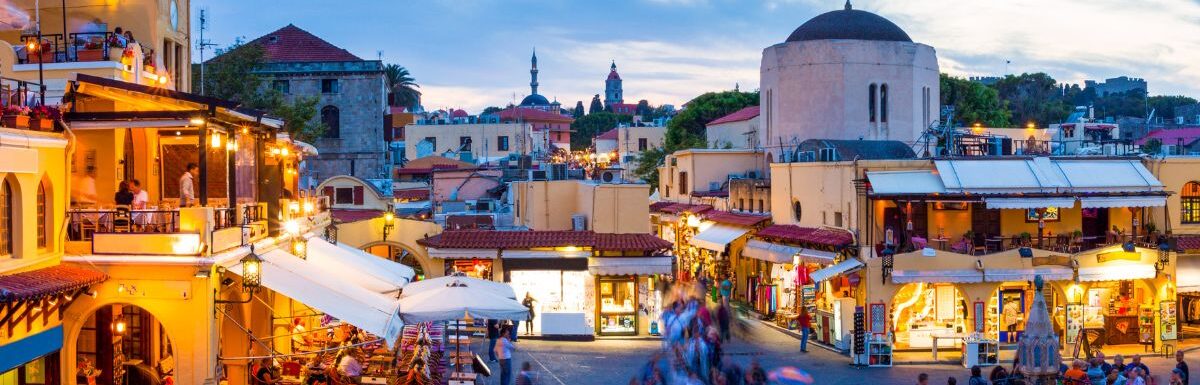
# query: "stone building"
1116,85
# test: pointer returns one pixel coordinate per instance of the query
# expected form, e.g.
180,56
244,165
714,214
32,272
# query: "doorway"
123,344
1094,223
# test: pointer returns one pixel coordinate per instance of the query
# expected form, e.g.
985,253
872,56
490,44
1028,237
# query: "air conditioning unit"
752,174
610,176
537,175
579,222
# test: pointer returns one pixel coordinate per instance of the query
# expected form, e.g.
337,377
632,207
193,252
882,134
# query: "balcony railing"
77,47
84,223
984,245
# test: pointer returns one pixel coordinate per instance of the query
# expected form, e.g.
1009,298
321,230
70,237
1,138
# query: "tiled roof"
459,114
49,281
496,239
711,194
1173,136
345,215
797,234
531,115
685,208
658,206
1187,243
737,219
411,194
292,44
737,116
612,134
624,108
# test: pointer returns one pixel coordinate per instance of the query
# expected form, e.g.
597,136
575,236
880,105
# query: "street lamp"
389,221
251,276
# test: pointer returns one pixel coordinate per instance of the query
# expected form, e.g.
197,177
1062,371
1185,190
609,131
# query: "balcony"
93,53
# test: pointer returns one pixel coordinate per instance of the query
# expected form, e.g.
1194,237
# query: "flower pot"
89,55
41,124
15,121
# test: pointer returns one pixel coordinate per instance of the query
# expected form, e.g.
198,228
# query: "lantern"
251,272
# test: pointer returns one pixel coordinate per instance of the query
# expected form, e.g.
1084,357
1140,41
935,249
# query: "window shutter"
358,195
328,191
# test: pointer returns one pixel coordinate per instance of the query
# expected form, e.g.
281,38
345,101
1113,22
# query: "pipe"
67,156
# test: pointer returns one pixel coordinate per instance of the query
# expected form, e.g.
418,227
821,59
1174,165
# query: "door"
893,219
984,220
1095,223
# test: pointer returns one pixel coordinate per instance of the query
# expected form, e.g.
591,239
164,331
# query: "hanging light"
231,145
300,247
292,227
251,271
216,140
283,151
308,207
119,327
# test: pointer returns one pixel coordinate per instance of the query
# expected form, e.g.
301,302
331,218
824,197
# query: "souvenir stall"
629,292
924,312
797,269
835,295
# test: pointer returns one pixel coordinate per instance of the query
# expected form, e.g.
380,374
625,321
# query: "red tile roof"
737,219
496,239
292,44
797,234
739,115
612,134
685,208
658,206
45,282
532,115
1189,243
346,215
411,194
711,194
624,108
1173,136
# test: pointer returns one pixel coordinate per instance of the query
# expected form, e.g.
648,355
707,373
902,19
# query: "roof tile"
737,116
532,115
496,239
346,215
737,219
46,282
813,235
292,44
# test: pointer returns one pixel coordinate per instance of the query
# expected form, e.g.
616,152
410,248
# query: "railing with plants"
86,222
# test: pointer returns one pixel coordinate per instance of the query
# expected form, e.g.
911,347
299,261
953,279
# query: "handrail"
83,223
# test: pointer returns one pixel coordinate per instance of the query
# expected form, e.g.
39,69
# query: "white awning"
630,265
1029,203
937,276
297,279
835,270
1045,175
1187,274
912,182
533,254
1131,201
770,252
1049,273
352,265
717,236
1116,272
500,288
435,252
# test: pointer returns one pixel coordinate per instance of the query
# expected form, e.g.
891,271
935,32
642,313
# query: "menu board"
1168,313
877,318
1074,322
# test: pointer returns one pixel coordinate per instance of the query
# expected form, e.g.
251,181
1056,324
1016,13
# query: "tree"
232,76
647,165
973,102
1164,106
1152,146
402,86
491,110
596,106
1033,98
1121,104
578,111
686,129
587,127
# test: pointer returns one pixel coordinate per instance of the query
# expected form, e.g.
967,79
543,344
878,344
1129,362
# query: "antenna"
379,55
203,43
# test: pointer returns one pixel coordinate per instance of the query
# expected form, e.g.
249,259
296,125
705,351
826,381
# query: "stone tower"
533,74
612,87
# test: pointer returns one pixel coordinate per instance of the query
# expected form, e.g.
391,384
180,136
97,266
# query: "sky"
475,53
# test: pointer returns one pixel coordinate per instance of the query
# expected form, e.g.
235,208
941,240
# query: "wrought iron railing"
84,223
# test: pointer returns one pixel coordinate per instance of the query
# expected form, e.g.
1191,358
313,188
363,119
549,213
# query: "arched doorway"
1008,307
397,253
921,310
123,344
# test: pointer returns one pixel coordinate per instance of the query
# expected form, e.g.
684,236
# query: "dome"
849,24
535,100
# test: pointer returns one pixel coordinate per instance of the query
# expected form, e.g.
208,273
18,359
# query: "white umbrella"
496,288
459,300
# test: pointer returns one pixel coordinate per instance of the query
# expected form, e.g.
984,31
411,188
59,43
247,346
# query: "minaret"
612,86
533,74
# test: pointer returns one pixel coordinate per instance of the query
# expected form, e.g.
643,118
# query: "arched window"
41,215
871,103
796,210
333,122
883,107
1189,199
6,218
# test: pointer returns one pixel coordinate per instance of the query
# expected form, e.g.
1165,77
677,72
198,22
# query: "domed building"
534,100
846,74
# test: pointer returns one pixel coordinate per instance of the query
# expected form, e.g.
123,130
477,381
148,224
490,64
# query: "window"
883,106
329,86
464,143
871,103
683,185
502,143
837,218
41,215
742,204
642,144
796,211
332,119
761,206
1189,200
283,86
343,196
432,142
6,218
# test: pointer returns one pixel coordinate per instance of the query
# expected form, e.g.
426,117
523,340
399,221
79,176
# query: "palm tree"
402,85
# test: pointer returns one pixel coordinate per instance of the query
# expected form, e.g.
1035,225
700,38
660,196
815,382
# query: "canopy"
500,289
630,265
937,276
911,182
1116,272
1048,273
291,276
459,298
717,236
770,252
1187,274
352,265
835,270
1029,203
1126,201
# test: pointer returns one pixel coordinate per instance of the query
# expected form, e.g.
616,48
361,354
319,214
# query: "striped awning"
837,269
780,253
937,276
630,265
1129,201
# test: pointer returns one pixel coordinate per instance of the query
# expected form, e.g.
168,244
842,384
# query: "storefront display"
921,311
555,294
474,268
617,299
1116,307
1167,316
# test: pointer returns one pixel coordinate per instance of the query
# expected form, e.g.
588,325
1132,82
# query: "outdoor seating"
979,244
918,243
122,221
963,246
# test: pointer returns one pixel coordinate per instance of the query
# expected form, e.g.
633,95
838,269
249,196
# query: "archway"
122,343
921,310
402,254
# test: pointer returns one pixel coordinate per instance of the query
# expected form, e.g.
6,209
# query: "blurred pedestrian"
976,376
805,322
528,377
1182,367
922,379
493,332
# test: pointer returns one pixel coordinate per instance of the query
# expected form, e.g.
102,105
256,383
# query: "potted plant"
44,117
1026,238
15,117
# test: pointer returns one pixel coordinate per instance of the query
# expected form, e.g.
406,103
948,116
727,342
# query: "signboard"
1052,260
980,316
1168,314
1119,256
877,318
1074,323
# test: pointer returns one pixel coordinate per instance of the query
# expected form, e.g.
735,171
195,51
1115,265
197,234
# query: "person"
526,376
263,374
922,379
315,371
123,197
726,289
493,332
349,366
1119,363
129,37
140,197
1182,367
999,375
528,303
805,322
504,349
299,335
1116,377
1135,376
723,320
1012,318
118,38
1137,362
1104,365
1076,375
1177,377
951,381
187,189
83,188
976,376
756,375
1095,372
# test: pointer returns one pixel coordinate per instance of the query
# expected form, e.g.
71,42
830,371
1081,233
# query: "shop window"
618,311
1189,200
6,218
41,215
343,196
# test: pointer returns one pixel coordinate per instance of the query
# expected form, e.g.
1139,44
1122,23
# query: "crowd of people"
1096,371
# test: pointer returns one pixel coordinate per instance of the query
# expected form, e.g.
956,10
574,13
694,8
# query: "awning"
835,270
1116,272
445,253
1130,201
937,276
717,236
1049,273
305,282
352,265
1029,203
912,182
540,254
630,265
770,252
1187,274
22,351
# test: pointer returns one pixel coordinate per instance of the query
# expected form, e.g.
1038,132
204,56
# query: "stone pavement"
615,361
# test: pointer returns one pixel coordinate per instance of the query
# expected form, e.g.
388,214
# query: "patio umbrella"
458,299
496,288
12,17
789,375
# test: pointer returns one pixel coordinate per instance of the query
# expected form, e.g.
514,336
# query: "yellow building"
484,141
687,175
581,205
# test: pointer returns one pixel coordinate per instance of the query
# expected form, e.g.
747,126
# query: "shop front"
560,289
629,298
32,322
715,243
930,308
836,293
797,267
1120,300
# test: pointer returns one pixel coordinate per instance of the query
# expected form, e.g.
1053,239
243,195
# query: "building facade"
1120,84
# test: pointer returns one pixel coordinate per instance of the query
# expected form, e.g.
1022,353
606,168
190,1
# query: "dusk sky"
475,53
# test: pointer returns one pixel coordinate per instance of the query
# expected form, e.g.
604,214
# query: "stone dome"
849,24
535,100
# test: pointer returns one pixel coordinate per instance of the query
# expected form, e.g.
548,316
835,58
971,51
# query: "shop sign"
1167,317
1119,256
979,316
1052,260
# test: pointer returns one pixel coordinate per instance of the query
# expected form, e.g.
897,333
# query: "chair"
290,369
963,246
122,221
918,242
1014,242
979,244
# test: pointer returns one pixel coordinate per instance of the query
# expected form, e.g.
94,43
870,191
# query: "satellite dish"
424,148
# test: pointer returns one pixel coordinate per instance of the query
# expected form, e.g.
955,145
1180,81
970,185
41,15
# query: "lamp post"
251,277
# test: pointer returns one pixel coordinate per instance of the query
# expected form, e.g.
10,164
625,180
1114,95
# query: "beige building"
628,143
484,141
350,193
736,130
581,205
687,174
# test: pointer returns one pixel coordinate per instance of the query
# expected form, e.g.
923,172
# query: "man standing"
187,189
1183,368
504,348
805,322
1137,362
493,332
